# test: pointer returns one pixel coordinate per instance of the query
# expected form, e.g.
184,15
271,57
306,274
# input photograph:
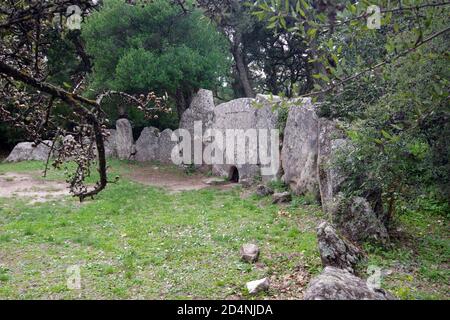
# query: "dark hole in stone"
234,175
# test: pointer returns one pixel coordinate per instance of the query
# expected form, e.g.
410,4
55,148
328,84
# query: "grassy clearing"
142,242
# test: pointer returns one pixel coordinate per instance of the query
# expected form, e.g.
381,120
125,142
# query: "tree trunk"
241,67
182,101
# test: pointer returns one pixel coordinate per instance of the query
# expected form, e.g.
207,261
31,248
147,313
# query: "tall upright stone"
147,146
124,139
331,142
299,154
201,110
239,114
247,116
267,117
166,146
110,144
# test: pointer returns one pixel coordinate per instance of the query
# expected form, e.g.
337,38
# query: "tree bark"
182,101
241,67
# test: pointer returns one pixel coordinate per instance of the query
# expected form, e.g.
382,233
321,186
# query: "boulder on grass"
283,197
263,191
355,219
257,286
336,251
215,181
339,284
29,151
250,252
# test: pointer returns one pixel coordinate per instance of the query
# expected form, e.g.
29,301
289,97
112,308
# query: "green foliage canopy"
154,47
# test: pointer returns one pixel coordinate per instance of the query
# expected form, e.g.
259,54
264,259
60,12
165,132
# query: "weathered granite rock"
263,191
200,109
147,146
250,252
339,284
355,219
110,144
28,151
166,145
281,197
257,286
331,141
247,116
266,113
336,251
239,114
299,154
124,139
267,116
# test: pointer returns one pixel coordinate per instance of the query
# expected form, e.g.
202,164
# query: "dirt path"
170,178
39,190
25,185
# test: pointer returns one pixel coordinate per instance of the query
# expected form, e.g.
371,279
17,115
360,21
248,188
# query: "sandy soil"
25,185
168,178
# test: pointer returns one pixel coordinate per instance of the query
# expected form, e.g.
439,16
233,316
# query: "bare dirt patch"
25,185
170,178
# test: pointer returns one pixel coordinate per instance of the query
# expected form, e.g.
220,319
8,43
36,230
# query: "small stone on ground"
257,286
263,191
281,198
250,252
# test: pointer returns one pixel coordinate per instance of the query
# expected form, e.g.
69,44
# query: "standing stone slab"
165,147
267,113
299,154
336,251
331,142
246,114
267,116
124,139
147,146
110,144
239,114
201,110
339,284
28,151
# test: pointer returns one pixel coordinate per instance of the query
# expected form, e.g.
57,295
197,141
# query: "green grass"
134,241
418,258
